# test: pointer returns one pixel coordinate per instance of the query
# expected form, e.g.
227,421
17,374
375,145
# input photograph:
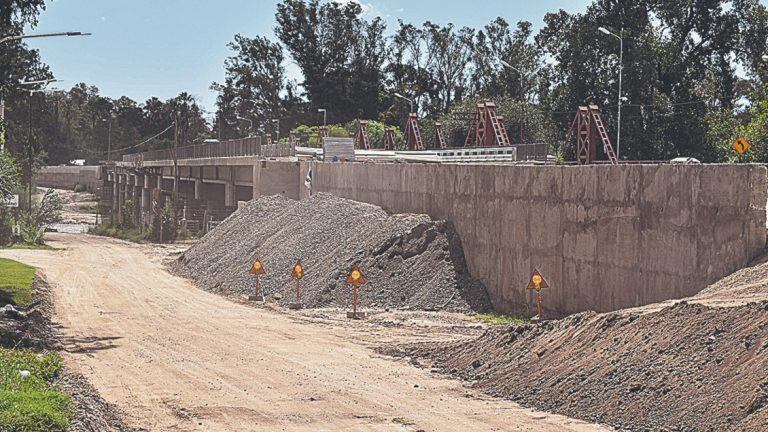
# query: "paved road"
176,358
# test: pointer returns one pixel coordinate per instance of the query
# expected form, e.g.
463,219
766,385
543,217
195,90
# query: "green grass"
135,235
31,404
16,282
28,246
498,319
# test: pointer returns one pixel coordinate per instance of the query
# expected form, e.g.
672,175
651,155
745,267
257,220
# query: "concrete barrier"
605,237
66,177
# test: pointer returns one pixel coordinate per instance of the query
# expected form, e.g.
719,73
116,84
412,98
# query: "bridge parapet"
231,148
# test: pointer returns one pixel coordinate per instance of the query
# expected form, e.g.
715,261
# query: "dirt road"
176,358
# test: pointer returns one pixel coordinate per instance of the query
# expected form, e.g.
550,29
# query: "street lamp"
408,99
250,124
278,128
325,112
20,37
2,102
109,138
621,68
522,99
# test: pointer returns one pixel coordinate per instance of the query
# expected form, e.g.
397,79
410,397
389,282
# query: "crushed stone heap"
410,261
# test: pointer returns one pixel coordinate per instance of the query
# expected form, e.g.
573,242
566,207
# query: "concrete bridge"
605,237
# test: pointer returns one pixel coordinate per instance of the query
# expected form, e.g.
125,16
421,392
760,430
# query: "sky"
144,48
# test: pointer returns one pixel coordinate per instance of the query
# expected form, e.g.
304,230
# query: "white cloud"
369,10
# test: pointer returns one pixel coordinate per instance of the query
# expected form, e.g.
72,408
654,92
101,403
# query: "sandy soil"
176,358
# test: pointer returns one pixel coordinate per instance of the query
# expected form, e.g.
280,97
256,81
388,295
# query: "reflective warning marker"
355,279
297,273
741,145
537,282
257,269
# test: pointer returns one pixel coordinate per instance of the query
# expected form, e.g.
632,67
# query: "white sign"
13,201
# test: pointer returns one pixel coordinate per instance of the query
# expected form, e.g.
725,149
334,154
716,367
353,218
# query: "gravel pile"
410,261
688,367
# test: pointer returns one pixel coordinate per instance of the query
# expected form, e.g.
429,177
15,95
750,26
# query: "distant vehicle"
210,141
685,161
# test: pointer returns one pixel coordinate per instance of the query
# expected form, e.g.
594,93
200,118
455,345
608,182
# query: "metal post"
109,140
621,70
522,109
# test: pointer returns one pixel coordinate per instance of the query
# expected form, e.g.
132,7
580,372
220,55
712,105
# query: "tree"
340,55
255,86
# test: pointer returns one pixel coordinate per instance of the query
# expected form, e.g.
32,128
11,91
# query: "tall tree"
340,54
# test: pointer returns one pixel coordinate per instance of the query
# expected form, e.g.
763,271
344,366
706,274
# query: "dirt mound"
684,368
410,261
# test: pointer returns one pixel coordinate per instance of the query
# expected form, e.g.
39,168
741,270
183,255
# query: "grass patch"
31,404
28,246
136,235
16,282
498,319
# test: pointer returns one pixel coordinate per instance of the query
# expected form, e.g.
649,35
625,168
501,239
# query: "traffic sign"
257,268
741,145
11,201
356,276
537,281
298,271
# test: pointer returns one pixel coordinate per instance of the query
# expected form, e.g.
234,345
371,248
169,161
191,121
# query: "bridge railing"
231,148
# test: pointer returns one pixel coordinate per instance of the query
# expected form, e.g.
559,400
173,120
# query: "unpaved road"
176,358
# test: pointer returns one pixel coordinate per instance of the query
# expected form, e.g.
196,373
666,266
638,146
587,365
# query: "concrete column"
198,188
229,194
138,198
121,197
256,180
146,200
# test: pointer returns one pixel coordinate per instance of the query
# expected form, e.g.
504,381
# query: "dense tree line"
682,93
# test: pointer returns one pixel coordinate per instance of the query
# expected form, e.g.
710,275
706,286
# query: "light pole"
325,112
278,128
250,124
109,138
408,99
20,37
621,68
522,99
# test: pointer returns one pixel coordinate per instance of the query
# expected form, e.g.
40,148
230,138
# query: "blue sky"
143,48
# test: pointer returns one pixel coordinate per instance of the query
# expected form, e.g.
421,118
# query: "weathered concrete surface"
276,178
604,237
66,177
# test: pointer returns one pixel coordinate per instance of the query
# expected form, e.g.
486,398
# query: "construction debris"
411,261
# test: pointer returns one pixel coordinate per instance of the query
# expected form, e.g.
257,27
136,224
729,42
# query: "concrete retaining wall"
604,237
276,178
66,177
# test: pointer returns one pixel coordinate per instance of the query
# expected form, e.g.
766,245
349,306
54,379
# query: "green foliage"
9,174
310,133
31,404
34,223
499,319
165,226
79,188
16,282
134,234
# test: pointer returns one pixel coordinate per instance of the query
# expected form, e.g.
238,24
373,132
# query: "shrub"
169,223
79,188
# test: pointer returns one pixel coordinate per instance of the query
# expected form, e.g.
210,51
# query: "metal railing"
232,148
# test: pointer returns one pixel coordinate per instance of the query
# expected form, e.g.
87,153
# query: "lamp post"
522,99
325,112
408,99
621,69
109,138
250,124
278,128
45,35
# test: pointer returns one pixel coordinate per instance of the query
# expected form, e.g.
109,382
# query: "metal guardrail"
232,148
